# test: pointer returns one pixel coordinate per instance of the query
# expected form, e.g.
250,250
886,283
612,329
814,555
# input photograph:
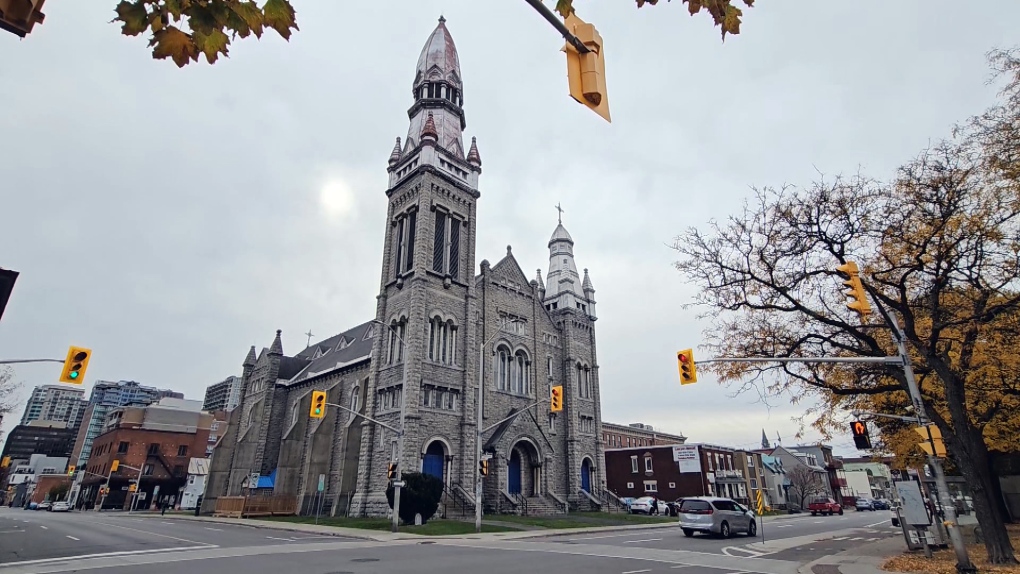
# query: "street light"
478,429
400,434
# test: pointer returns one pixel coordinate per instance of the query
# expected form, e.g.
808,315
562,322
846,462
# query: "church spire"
277,347
565,288
435,132
764,439
395,154
249,361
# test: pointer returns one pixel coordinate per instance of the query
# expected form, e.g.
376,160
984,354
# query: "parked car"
881,504
643,505
61,506
825,506
43,506
864,503
712,515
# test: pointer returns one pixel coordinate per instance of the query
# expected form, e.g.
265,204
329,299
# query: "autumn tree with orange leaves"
184,30
938,246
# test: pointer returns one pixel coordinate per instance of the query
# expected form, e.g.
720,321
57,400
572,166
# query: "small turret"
395,155
428,131
472,157
277,346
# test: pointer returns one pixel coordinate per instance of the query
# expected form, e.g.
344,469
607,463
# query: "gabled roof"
509,268
358,349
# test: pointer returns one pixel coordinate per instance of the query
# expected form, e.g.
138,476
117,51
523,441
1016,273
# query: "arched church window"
502,369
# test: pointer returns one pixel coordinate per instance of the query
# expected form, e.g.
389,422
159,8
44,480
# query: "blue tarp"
267,481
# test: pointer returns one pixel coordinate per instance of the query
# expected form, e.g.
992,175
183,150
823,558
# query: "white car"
713,515
60,507
644,506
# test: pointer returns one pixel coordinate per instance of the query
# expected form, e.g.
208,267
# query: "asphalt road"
118,543
799,538
27,535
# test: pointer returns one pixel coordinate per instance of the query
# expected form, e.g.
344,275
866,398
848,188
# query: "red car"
825,506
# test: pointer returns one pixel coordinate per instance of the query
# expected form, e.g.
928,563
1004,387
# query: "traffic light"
859,298
391,471
75,364
70,470
931,434
5,462
586,73
483,467
133,487
685,364
556,399
114,466
318,409
860,432
19,16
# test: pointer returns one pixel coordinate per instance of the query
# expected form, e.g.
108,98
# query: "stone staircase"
542,506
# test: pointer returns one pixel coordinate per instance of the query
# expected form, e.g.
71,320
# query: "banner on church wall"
687,458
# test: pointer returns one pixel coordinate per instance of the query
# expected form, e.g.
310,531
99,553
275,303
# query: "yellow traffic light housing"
5,462
70,470
586,73
859,298
685,364
932,443
114,465
556,399
19,16
483,467
133,487
391,471
318,409
75,364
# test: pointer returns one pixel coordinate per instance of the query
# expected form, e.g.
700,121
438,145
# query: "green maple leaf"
133,16
171,42
245,18
279,15
176,7
202,20
212,44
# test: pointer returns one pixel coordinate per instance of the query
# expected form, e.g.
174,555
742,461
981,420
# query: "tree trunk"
971,456
996,493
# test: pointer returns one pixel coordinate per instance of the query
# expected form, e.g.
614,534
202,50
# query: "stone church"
434,321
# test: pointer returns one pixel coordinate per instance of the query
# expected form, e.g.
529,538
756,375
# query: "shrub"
420,494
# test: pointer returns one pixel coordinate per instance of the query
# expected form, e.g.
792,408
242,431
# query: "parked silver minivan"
710,514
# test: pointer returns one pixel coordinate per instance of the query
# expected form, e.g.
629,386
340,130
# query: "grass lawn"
435,527
584,519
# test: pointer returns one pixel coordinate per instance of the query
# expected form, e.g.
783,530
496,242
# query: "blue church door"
513,472
434,460
586,476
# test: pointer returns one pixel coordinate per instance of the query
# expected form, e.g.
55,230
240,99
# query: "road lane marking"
818,522
275,538
210,528
132,529
73,538
784,526
636,541
104,555
597,537
841,538
637,571
875,524
44,527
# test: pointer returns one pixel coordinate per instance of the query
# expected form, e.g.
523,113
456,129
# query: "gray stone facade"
434,319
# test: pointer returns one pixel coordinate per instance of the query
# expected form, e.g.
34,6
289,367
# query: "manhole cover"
364,559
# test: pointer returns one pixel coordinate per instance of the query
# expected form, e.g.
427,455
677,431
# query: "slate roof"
329,354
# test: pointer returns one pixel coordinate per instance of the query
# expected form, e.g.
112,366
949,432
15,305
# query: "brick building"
636,434
433,317
158,440
675,471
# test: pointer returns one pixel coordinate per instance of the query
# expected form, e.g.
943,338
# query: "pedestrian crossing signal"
483,467
685,363
391,471
861,438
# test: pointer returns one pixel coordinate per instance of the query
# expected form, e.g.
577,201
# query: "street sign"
253,480
486,456
322,482
398,483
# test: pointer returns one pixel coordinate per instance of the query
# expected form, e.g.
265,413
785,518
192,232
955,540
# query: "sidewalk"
864,559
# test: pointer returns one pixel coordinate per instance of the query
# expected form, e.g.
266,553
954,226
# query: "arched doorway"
586,475
524,469
434,460
513,471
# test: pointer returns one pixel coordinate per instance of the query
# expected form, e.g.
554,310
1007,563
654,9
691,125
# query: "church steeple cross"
560,210
310,335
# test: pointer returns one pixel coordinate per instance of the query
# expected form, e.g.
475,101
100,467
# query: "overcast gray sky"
170,218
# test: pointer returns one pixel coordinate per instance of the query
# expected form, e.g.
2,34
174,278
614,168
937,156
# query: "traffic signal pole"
559,25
